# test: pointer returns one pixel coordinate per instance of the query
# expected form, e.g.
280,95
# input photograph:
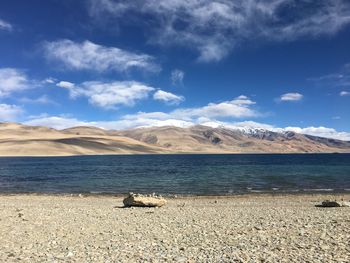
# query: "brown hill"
23,140
85,130
205,139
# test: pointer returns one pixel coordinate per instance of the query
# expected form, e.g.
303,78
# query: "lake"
183,174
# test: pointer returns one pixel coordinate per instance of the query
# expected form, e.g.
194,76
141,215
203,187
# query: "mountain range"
22,140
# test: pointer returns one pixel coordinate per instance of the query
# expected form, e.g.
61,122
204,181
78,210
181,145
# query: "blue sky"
279,65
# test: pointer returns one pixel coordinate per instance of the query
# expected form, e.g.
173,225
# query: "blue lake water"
177,174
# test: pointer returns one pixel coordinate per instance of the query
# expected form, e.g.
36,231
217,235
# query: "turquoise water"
177,174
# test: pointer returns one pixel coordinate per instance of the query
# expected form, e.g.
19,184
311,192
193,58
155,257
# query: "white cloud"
185,117
57,122
291,97
44,99
145,122
243,125
90,56
65,84
49,81
12,80
337,79
9,112
214,28
344,93
177,77
251,125
62,122
5,25
108,95
321,132
168,97
182,117
237,108
148,115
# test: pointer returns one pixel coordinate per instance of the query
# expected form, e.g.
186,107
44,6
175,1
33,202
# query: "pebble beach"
248,228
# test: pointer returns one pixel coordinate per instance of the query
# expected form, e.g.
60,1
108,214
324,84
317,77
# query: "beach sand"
261,228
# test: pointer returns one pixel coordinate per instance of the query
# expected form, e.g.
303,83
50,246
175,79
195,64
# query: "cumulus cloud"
215,28
13,80
344,93
177,77
168,97
109,95
5,25
91,56
9,112
65,84
291,97
237,108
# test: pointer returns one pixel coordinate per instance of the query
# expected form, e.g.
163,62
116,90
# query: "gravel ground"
216,229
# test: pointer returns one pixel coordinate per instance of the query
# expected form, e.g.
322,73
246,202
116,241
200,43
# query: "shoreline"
180,196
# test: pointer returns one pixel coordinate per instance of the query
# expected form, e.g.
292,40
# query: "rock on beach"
328,203
144,200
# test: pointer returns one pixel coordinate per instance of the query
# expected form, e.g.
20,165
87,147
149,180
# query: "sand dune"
23,140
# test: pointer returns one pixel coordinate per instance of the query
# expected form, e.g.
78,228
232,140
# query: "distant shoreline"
179,153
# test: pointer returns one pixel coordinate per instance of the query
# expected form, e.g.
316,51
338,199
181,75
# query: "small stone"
180,259
328,203
324,247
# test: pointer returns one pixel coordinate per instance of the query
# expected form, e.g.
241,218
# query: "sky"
278,64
